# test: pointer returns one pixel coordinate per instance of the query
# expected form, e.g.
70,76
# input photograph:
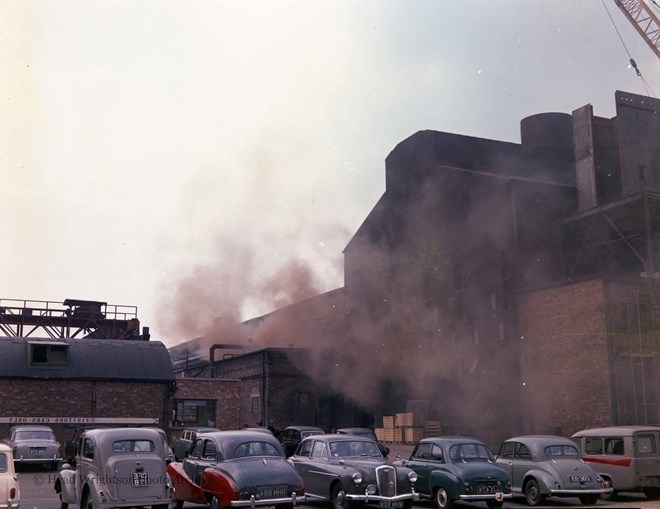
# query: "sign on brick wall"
79,420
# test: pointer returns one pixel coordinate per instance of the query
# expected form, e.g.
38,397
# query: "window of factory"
48,354
254,404
642,172
194,412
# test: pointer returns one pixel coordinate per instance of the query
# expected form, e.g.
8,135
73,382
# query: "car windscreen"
351,449
555,451
3,462
256,448
470,452
34,435
124,446
306,434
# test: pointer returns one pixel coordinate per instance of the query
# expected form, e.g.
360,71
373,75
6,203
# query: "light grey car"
34,445
543,466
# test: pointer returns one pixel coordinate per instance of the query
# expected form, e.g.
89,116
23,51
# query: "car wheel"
652,493
160,506
588,499
63,505
442,500
86,501
494,503
533,493
215,503
338,497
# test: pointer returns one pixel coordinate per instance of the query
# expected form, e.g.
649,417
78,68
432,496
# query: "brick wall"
564,359
225,392
66,398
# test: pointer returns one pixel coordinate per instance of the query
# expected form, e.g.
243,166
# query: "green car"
458,468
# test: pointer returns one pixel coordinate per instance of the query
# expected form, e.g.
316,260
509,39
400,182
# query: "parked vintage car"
34,445
181,445
626,457
116,467
347,469
458,468
543,466
10,494
293,435
236,469
366,432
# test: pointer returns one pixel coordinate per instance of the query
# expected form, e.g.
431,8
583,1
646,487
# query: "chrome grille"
386,478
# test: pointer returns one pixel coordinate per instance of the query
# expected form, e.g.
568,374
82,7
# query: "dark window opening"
42,355
194,412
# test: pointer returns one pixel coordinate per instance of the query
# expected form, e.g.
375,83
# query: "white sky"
140,139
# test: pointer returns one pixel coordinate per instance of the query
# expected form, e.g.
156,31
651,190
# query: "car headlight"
357,478
372,489
412,477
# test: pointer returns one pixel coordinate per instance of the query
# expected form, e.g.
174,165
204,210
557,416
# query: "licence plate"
140,479
272,492
390,504
37,450
579,478
487,489
654,481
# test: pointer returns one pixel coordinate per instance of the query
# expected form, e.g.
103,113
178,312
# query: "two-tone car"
116,467
543,466
348,469
236,469
33,444
458,468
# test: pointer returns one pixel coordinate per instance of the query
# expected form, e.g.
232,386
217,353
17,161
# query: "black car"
348,470
293,435
365,432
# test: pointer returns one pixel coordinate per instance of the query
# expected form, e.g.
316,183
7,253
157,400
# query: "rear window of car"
306,434
125,446
469,451
646,444
562,450
256,449
34,435
3,462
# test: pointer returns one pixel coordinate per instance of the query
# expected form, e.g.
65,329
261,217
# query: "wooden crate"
413,434
380,434
409,419
392,435
433,428
388,421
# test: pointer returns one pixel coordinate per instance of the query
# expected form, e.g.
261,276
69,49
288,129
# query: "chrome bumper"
254,502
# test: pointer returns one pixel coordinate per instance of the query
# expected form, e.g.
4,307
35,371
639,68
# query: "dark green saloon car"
458,468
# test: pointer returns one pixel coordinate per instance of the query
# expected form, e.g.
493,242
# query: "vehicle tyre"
177,504
494,503
215,503
86,501
160,506
442,500
338,497
54,465
652,493
533,493
588,499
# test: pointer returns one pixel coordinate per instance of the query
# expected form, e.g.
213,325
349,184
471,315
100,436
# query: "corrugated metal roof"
89,359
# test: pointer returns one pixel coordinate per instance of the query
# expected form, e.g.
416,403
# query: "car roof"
335,437
32,427
355,430
124,433
304,428
451,440
537,443
229,440
614,430
201,429
5,448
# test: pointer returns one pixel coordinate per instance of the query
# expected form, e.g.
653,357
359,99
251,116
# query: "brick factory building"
512,286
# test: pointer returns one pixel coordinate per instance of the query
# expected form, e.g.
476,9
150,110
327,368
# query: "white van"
627,457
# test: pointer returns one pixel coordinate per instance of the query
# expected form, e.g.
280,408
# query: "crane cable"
647,87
